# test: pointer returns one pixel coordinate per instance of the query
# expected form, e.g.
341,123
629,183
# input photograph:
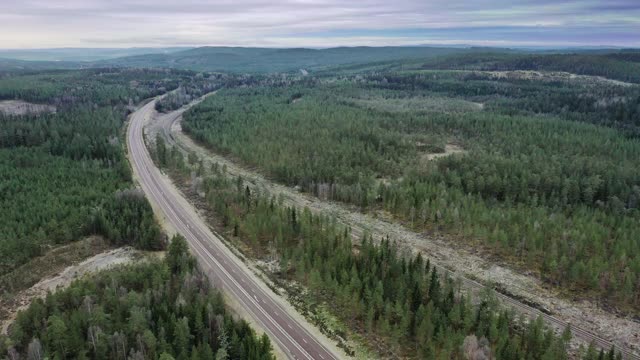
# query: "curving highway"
224,268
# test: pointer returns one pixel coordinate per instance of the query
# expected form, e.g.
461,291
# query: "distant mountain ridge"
242,59
616,62
81,54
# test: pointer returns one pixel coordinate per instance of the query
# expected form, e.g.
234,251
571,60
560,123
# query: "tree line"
621,66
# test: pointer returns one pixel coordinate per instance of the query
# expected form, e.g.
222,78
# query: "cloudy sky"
317,23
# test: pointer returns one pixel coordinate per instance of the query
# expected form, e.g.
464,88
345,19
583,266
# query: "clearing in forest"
429,104
449,149
19,107
64,278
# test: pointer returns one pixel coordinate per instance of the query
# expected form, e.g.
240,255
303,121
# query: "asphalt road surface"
223,267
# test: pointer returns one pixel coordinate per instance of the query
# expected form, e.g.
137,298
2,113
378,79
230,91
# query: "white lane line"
258,307
197,244
242,290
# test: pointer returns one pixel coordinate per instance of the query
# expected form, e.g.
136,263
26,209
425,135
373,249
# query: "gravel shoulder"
461,261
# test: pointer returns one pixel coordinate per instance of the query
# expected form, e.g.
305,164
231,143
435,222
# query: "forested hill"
623,65
226,59
256,60
81,54
15,65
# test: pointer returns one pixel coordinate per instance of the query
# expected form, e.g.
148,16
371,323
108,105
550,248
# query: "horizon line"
455,45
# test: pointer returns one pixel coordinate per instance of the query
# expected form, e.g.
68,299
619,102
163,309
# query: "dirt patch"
91,265
449,149
19,107
49,264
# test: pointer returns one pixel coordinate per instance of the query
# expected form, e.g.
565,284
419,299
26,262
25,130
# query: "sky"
317,23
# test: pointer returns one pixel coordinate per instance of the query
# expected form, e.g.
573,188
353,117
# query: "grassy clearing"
421,104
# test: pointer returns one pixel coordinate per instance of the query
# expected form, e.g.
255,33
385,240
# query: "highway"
223,267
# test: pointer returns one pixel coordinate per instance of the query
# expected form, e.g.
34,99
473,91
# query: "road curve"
223,267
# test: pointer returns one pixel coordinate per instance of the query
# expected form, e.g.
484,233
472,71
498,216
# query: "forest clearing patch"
64,278
550,76
417,104
19,107
449,149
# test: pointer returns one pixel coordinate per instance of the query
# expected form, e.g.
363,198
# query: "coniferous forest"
64,175
508,154
400,304
545,176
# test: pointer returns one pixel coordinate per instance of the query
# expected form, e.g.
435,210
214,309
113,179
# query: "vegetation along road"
225,269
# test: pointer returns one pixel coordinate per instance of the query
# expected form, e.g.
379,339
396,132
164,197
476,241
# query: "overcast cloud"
317,23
